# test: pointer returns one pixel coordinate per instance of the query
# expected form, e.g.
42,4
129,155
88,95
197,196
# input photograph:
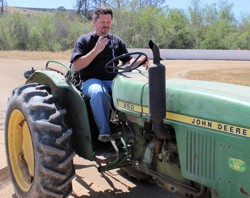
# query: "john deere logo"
237,164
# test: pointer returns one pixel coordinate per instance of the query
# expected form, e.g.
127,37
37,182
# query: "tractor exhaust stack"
157,93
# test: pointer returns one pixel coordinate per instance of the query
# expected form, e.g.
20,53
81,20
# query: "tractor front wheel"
38,148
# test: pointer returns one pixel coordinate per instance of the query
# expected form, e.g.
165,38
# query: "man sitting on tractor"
90,54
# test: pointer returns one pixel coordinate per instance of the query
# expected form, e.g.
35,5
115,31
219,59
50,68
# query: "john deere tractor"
191,137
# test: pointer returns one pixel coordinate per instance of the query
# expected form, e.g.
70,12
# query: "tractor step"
114,157
107,157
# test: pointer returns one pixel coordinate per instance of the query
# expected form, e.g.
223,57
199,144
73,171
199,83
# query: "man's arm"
83,61
143,60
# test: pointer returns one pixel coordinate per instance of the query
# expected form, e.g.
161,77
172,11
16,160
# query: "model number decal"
127,106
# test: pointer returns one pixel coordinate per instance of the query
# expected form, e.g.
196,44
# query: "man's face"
103,24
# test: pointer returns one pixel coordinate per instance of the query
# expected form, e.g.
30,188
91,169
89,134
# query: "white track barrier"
189,54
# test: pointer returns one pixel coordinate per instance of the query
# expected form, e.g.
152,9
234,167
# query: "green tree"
19,31
177,30
244,33
210,15
36,39
5,36
136,22
196,22
221,32
138,27
68,29
225,11
220,35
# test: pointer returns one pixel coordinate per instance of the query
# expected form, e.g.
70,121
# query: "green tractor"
190,136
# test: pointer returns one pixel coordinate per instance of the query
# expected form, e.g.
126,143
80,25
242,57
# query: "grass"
239,76
30,11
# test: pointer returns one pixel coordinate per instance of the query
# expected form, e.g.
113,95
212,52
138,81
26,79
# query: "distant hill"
27,10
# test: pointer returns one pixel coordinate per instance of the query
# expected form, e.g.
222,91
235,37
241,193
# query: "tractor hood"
208,104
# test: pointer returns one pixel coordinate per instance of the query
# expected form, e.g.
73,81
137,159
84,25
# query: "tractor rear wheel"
38,147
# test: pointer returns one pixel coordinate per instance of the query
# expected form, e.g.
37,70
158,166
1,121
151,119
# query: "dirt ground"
88,182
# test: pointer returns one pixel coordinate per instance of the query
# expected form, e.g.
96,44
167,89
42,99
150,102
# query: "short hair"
99,11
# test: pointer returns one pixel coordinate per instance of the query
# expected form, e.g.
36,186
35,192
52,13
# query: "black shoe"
105,153
104,138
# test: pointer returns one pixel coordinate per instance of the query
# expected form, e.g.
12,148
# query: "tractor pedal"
104,157
107,157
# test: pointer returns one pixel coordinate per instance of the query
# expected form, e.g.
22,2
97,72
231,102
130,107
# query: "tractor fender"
71,99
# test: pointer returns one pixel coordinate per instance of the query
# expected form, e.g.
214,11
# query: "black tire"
38,147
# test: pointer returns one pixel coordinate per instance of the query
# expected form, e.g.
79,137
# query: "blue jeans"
98,92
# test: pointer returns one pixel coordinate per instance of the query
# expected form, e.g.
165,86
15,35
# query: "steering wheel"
111,66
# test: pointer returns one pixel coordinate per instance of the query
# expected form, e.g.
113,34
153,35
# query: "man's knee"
102,95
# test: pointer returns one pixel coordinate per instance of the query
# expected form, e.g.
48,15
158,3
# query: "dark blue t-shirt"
95,69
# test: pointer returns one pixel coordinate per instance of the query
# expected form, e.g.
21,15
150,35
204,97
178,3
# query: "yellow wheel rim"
21,152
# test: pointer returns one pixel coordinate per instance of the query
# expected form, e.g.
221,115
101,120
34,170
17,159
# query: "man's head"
102,20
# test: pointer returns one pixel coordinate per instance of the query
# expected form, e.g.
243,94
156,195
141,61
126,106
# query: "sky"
239,6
